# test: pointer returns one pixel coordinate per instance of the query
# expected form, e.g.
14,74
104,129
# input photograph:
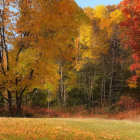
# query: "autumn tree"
36,45
130,34
6,35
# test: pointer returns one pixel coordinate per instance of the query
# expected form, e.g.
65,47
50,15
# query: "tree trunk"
90,78
10,103
104,87
20,112
61,84
85,83
66,92
93,82
112,70
48,102
64,95
18,103
102,91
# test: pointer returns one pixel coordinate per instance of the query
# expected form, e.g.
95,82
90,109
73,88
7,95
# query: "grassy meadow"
68,129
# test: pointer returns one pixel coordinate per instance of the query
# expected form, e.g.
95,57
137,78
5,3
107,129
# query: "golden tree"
42,35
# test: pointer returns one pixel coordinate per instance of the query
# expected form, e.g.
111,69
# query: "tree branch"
6,99
23,91
33,95
17,58
31,74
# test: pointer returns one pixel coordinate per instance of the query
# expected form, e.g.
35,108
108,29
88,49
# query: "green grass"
68,129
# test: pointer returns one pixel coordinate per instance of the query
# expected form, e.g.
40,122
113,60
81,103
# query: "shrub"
107,109
38,112
127,103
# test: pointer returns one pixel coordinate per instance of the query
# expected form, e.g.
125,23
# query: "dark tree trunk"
10,103
18,103
20,112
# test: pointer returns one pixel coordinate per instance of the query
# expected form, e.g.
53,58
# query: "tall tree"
37,44
6,35
130,34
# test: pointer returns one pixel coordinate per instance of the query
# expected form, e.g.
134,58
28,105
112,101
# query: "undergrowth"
126,108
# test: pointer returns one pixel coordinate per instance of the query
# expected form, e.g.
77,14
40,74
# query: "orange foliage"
127,103
132,115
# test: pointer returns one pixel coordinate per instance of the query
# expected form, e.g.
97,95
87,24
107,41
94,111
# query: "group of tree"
54,52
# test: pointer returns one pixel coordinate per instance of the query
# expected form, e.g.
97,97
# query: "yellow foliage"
94,37
43,34
116,16
138,72
131,83
89,12
100,11
85,35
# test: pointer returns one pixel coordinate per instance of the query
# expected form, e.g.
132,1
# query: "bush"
39,112
107,109
127,103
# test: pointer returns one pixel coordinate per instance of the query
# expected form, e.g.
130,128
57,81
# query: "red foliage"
134,78
76,111
136,57
131,28
127,103
5,109
38,112
133,114
133,67
2,110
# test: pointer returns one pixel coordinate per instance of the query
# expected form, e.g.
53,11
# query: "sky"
92,3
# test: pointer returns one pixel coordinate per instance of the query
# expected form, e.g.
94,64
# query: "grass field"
68,129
